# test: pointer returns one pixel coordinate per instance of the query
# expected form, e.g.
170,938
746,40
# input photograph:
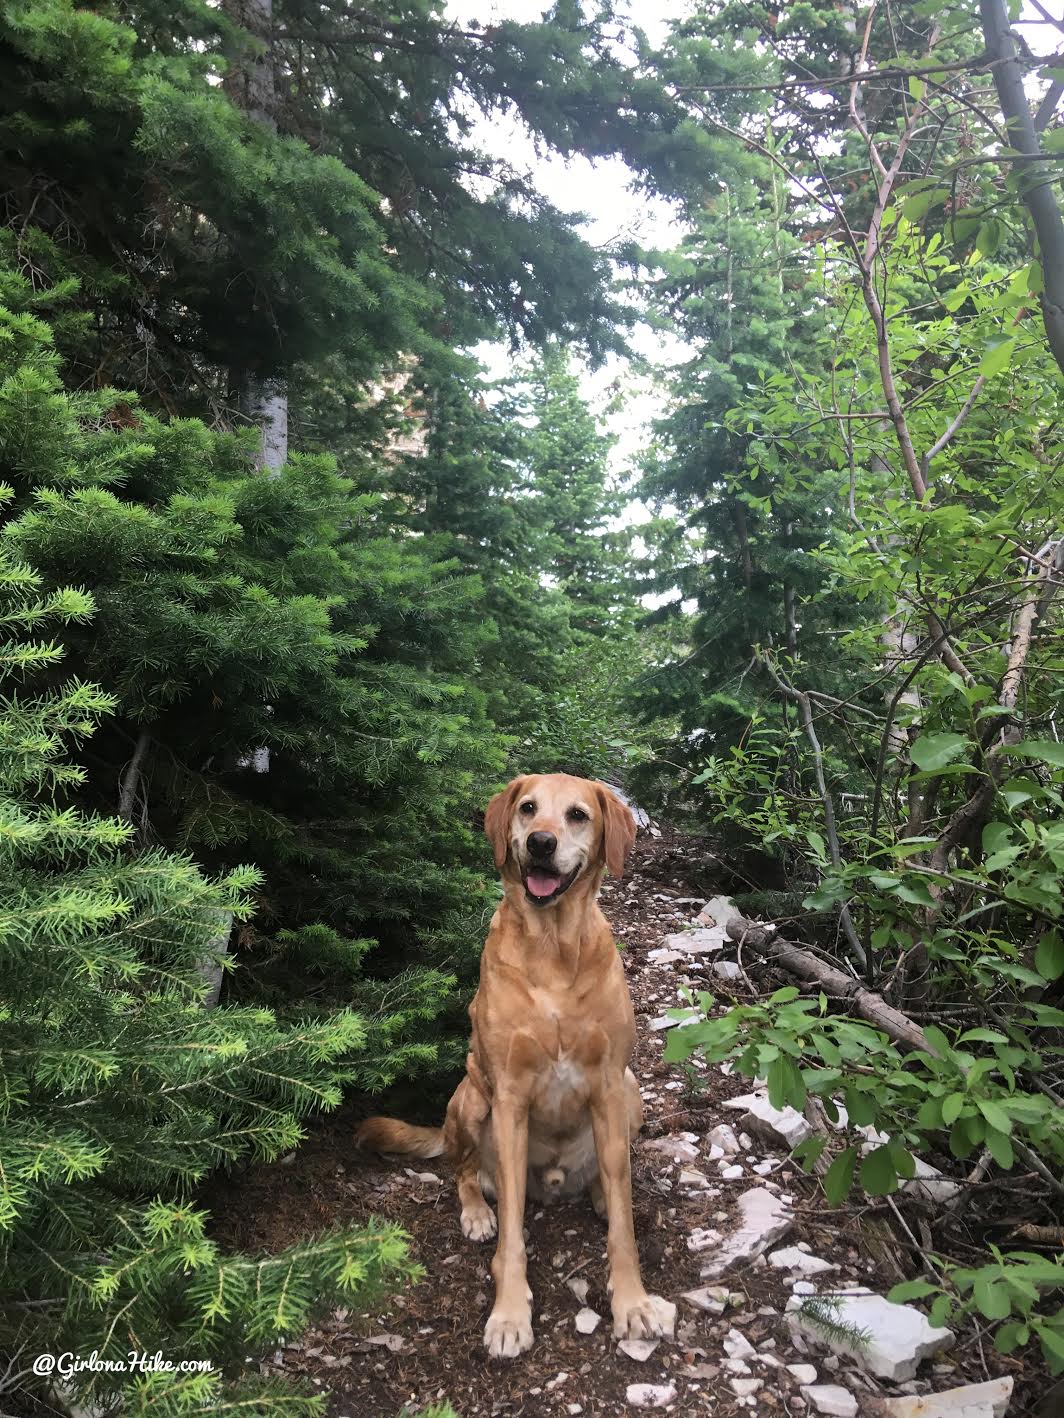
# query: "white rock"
723,1137
692,1177
737,1346
777,1124
638,1349
579,1289
804,1373
765,1219
898,1337
662,956
575,1408
732,1173
701,1238
831,1398
726,969
665,1313
698,942
719,911
990,1400
931,1184
712,1298
743,1102
743,1388
680,1146
650,1395
794,1258
587,1321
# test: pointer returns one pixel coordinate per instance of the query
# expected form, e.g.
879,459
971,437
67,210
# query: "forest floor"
426,1344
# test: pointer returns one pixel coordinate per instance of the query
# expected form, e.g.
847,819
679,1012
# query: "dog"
548,1106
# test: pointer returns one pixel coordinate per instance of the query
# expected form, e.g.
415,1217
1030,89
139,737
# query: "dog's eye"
577,814
527,809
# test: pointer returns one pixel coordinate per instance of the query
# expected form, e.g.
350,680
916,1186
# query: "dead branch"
806,966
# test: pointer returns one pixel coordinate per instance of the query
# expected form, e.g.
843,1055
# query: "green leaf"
1049,956
807,1153
933,751
994,1114
917,87
839,1177
951,1108
879,1176
1011,1336
1000,1148
992,1299
911,1290
999,352
1044,750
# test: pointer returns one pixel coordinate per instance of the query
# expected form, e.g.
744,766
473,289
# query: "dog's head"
550,830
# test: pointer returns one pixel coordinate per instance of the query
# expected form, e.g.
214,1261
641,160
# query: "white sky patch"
602,192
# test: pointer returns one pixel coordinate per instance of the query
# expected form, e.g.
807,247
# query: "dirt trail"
427,1344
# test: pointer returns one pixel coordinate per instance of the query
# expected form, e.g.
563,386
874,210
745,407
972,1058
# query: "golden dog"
548,1104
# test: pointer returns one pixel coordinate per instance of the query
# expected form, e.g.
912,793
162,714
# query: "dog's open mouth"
544,885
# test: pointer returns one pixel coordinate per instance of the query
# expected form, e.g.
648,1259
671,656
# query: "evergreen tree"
563,458
118,1092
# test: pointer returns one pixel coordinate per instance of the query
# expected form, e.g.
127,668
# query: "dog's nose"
541,844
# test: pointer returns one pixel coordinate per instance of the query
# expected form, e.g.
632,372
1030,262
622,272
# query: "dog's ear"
497,817
618,830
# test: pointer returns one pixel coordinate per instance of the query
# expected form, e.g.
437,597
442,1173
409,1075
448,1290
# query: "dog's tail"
390,1135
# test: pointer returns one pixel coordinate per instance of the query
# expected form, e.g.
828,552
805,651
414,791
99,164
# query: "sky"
601,190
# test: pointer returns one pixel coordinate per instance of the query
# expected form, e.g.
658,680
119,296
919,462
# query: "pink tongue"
541,883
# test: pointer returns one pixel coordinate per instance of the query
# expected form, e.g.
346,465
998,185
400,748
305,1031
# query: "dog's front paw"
478,1222
508,1333
643,1316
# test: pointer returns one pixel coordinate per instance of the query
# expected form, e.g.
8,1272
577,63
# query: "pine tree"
118,1092
563,457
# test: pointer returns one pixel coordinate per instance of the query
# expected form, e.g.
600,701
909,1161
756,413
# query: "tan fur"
402,1139
548,1105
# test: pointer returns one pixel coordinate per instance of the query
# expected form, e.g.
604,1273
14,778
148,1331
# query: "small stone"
796,1258
579,1289
587,1321
574,1408
691,1177
556,1381
638,1349
743,1388
804,1373
711,1298
738,1346
680,1146
732,1173
706,940
784,1125
650,1395
726,969
831,1399
897,1338
723,1137
765,1220
989,1400
719,911
701,1239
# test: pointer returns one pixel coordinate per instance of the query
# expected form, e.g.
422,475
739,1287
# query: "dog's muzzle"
544,884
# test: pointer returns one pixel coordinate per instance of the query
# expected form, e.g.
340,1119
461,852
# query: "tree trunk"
251,86
1036,185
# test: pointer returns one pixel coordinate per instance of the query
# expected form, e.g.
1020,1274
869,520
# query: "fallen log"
807,966
897,1026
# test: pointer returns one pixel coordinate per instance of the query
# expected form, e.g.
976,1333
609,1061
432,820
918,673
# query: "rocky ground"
728,1229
